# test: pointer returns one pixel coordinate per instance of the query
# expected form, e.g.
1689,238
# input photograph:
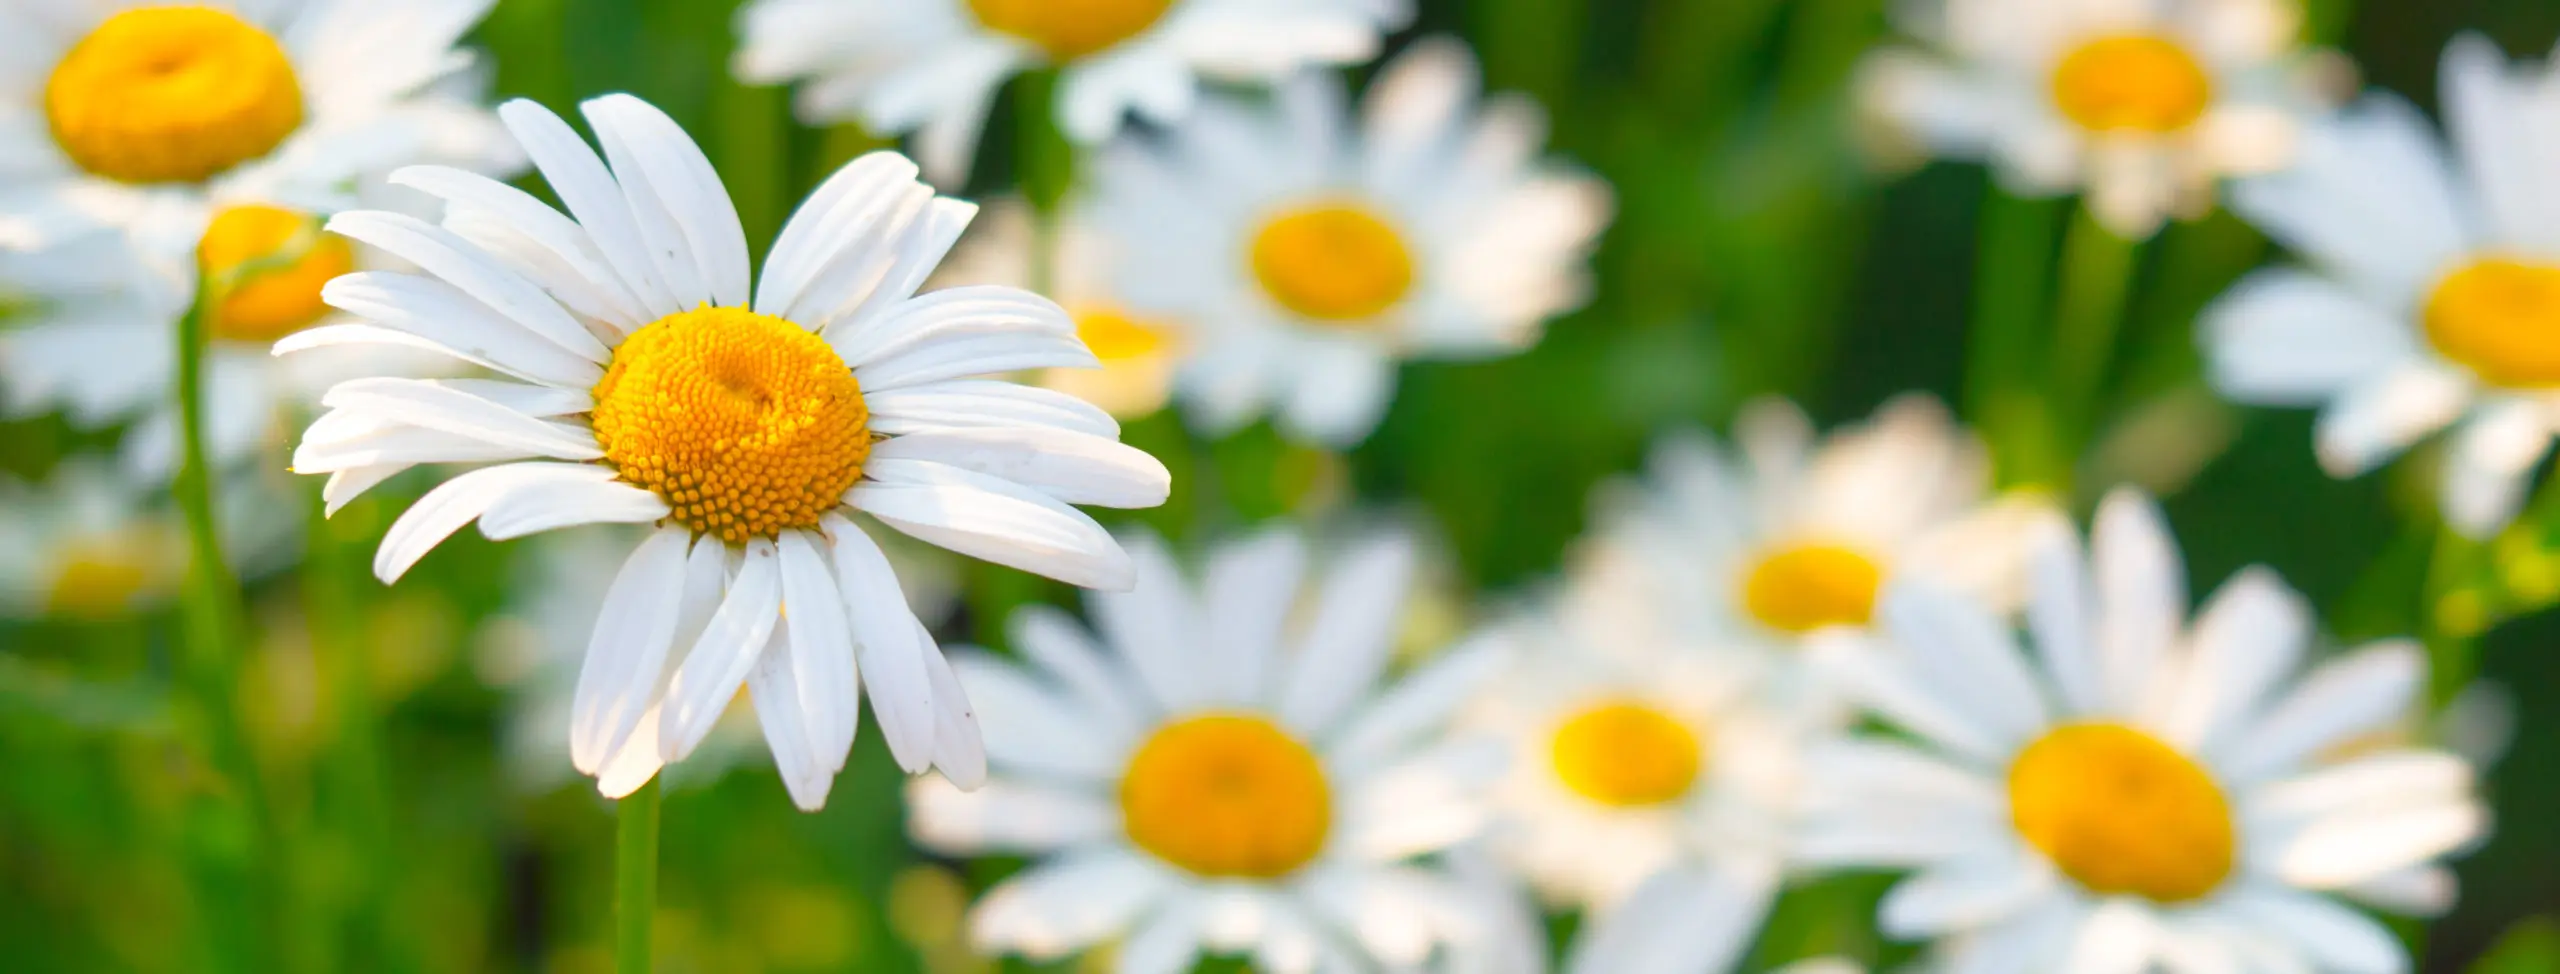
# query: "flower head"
649,381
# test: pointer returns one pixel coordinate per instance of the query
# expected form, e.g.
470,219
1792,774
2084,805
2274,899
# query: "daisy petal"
685,183
886,634
2249,636
455,261
1072,467
1344,647
572,494
957,748
787,731
2345,697
821,646
580,179
628,649
718,662
446,509
2335,937
991,519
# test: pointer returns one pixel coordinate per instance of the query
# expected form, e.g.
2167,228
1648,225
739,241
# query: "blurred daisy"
83,544
2142,106
1747,552
1221,774
1312,258
1138,353
2139,791
933,66
648,382
206,137
2433,298
1647,781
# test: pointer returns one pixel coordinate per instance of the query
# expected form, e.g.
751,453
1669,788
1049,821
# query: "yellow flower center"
745,423
2132,83
1804,587
2120,812
1227,795
2500,317
1332,262
1627,754
277,299
1114,335
169,94
1071,29
99,577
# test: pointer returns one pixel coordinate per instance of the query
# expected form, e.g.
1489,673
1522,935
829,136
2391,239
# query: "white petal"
456,262
2381,416
2118,938
885,631
973,403
1031,731
444,319
1968,656
970,311
1154,625
777,691
1680,920
1073,467
583,184
822,656
847,206
1418,706
571,494
628,649
446,509
975,355
1886,683
957,748
2062,617
1076,901
718,662
2350,849
1968,893
2142,596
1059,646
429,406
685,184
1248,589
2285,337
2370,198
625,770
2337,938
2493,456
1337,658
2249,636
2338,700
2371,783
1008,816
594,289
991,519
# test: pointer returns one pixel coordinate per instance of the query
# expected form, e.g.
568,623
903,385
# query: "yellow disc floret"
1628,754
1227,795
2132,83
170,94
1804,587
744,423
1335,263
1115,335
2122,813
281,259
2500,317
95,578
1070,29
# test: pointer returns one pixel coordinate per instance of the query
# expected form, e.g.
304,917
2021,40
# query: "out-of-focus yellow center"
1115,335
1333,262
2132,83
99,577
173,93
745,423
275,300
1804,587
2120,812
1628,754
2500,317
1071,29
1227,795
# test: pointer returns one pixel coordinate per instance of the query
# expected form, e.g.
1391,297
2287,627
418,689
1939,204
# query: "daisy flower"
2142,106
1748,551
207,136
2433,293
1138,353
2141,790
1219,773
933,66
1311,257
1646,780
647,381
83,544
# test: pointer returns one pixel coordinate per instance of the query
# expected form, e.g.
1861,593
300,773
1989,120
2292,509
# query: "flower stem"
2097,276
2012,259
356,780
2450,620
229,833
635,877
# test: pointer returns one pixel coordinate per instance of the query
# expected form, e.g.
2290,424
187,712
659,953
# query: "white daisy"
1219,774
933,66
1746,552
1138,353
206,136
2142,105
88,543
1646,780
1311,257
649,383
2141,791
2433,293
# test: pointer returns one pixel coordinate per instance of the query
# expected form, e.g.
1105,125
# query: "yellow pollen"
2132,83
1336,263
274,301
1227,795
172,94
1114,335
99,577
745,423
2120,812
1070,29
1801,588
1627,754
2500,317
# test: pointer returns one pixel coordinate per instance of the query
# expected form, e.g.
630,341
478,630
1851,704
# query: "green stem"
1044,161
2452,643
635,878
2013,257
230,832
355,752
2097,276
